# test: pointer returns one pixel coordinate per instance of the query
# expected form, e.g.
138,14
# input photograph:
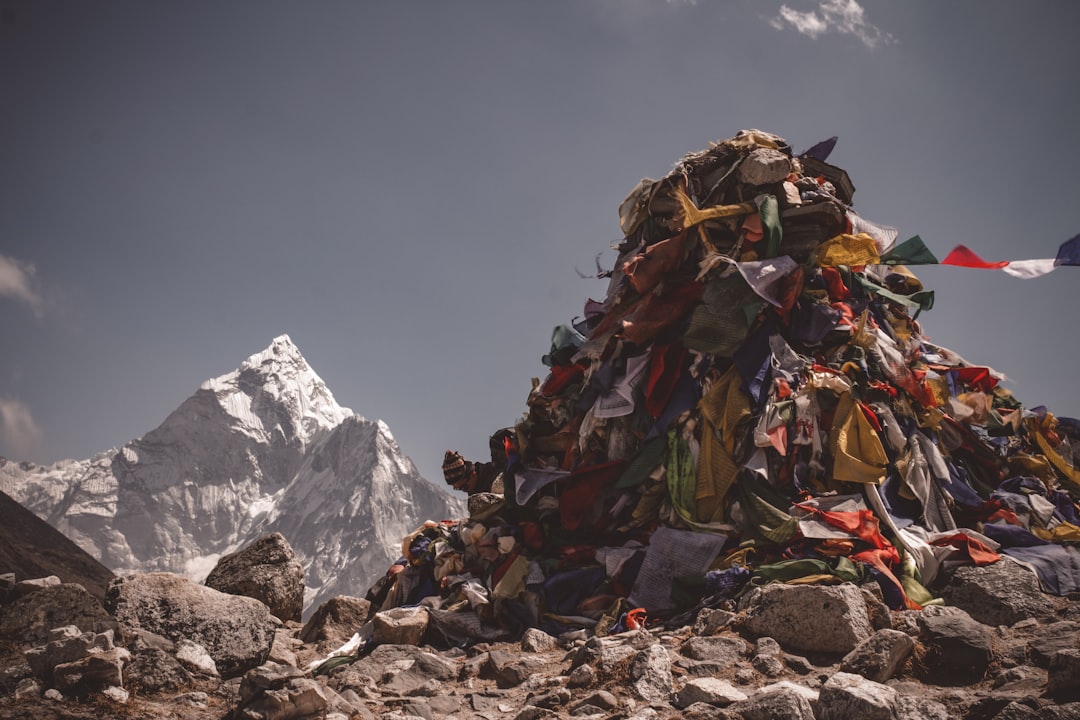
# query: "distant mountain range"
261,449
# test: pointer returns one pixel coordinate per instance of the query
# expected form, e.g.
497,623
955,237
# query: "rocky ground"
166,648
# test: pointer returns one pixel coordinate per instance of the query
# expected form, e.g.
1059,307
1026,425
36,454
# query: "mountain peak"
281,376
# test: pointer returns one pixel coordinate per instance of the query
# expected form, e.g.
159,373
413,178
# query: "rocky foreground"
161,646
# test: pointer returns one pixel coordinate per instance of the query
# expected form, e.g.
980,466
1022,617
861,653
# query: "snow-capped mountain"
264,448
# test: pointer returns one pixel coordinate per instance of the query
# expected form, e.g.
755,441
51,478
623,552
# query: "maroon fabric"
665,368
583,487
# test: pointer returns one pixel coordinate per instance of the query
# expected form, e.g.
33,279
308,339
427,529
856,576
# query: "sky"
411,190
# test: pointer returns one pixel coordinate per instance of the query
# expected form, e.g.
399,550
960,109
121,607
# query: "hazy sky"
407,188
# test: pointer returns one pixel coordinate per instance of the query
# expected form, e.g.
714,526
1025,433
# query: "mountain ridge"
238,458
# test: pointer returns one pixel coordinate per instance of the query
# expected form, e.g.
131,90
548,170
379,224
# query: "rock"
710,621
537,641
601,699
153,670
1061,677
280,692
1016,711
958,649
116,694
999,594
880,615
650,674
236,631
267,570
1048,639
92,673
511,670
782,700
550,700
879,657
336,621
604,654
768,665
27,688
810,618
31,617
281,647
400,626
918,707
581,676
764,166
68,645
196,658
724,649
25,587
846,695
713,691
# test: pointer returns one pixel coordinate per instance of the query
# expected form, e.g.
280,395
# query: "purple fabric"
822,150
753,363
1069,252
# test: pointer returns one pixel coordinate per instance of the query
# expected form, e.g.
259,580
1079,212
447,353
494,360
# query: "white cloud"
842,16
17,282
19,434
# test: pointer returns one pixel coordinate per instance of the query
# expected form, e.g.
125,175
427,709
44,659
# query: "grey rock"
1061,676
400,626
237,631
92,673
31,617
550,700
336,621
581,676
68,645
782,700
510,669
999,594
267,570
880,615
601,699
604,654
1016,711
537,641
809,618
724,649
958,649
531,712
764,166
712,691
710,621
116,694
880,656
918,707
153,670
27,688
297,698
196,658
845,695
650,674
1048,639
768,665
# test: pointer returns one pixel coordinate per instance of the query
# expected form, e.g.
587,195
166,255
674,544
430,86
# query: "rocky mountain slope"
30,548
265,447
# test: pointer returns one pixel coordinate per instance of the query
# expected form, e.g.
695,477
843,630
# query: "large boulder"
809,618
267,570
336,621
237,631
958,649
33,616
1003,593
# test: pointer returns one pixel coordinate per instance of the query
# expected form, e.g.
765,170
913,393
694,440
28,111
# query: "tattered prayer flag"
962,256
1068,254
912,251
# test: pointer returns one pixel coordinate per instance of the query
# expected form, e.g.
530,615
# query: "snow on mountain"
264,448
